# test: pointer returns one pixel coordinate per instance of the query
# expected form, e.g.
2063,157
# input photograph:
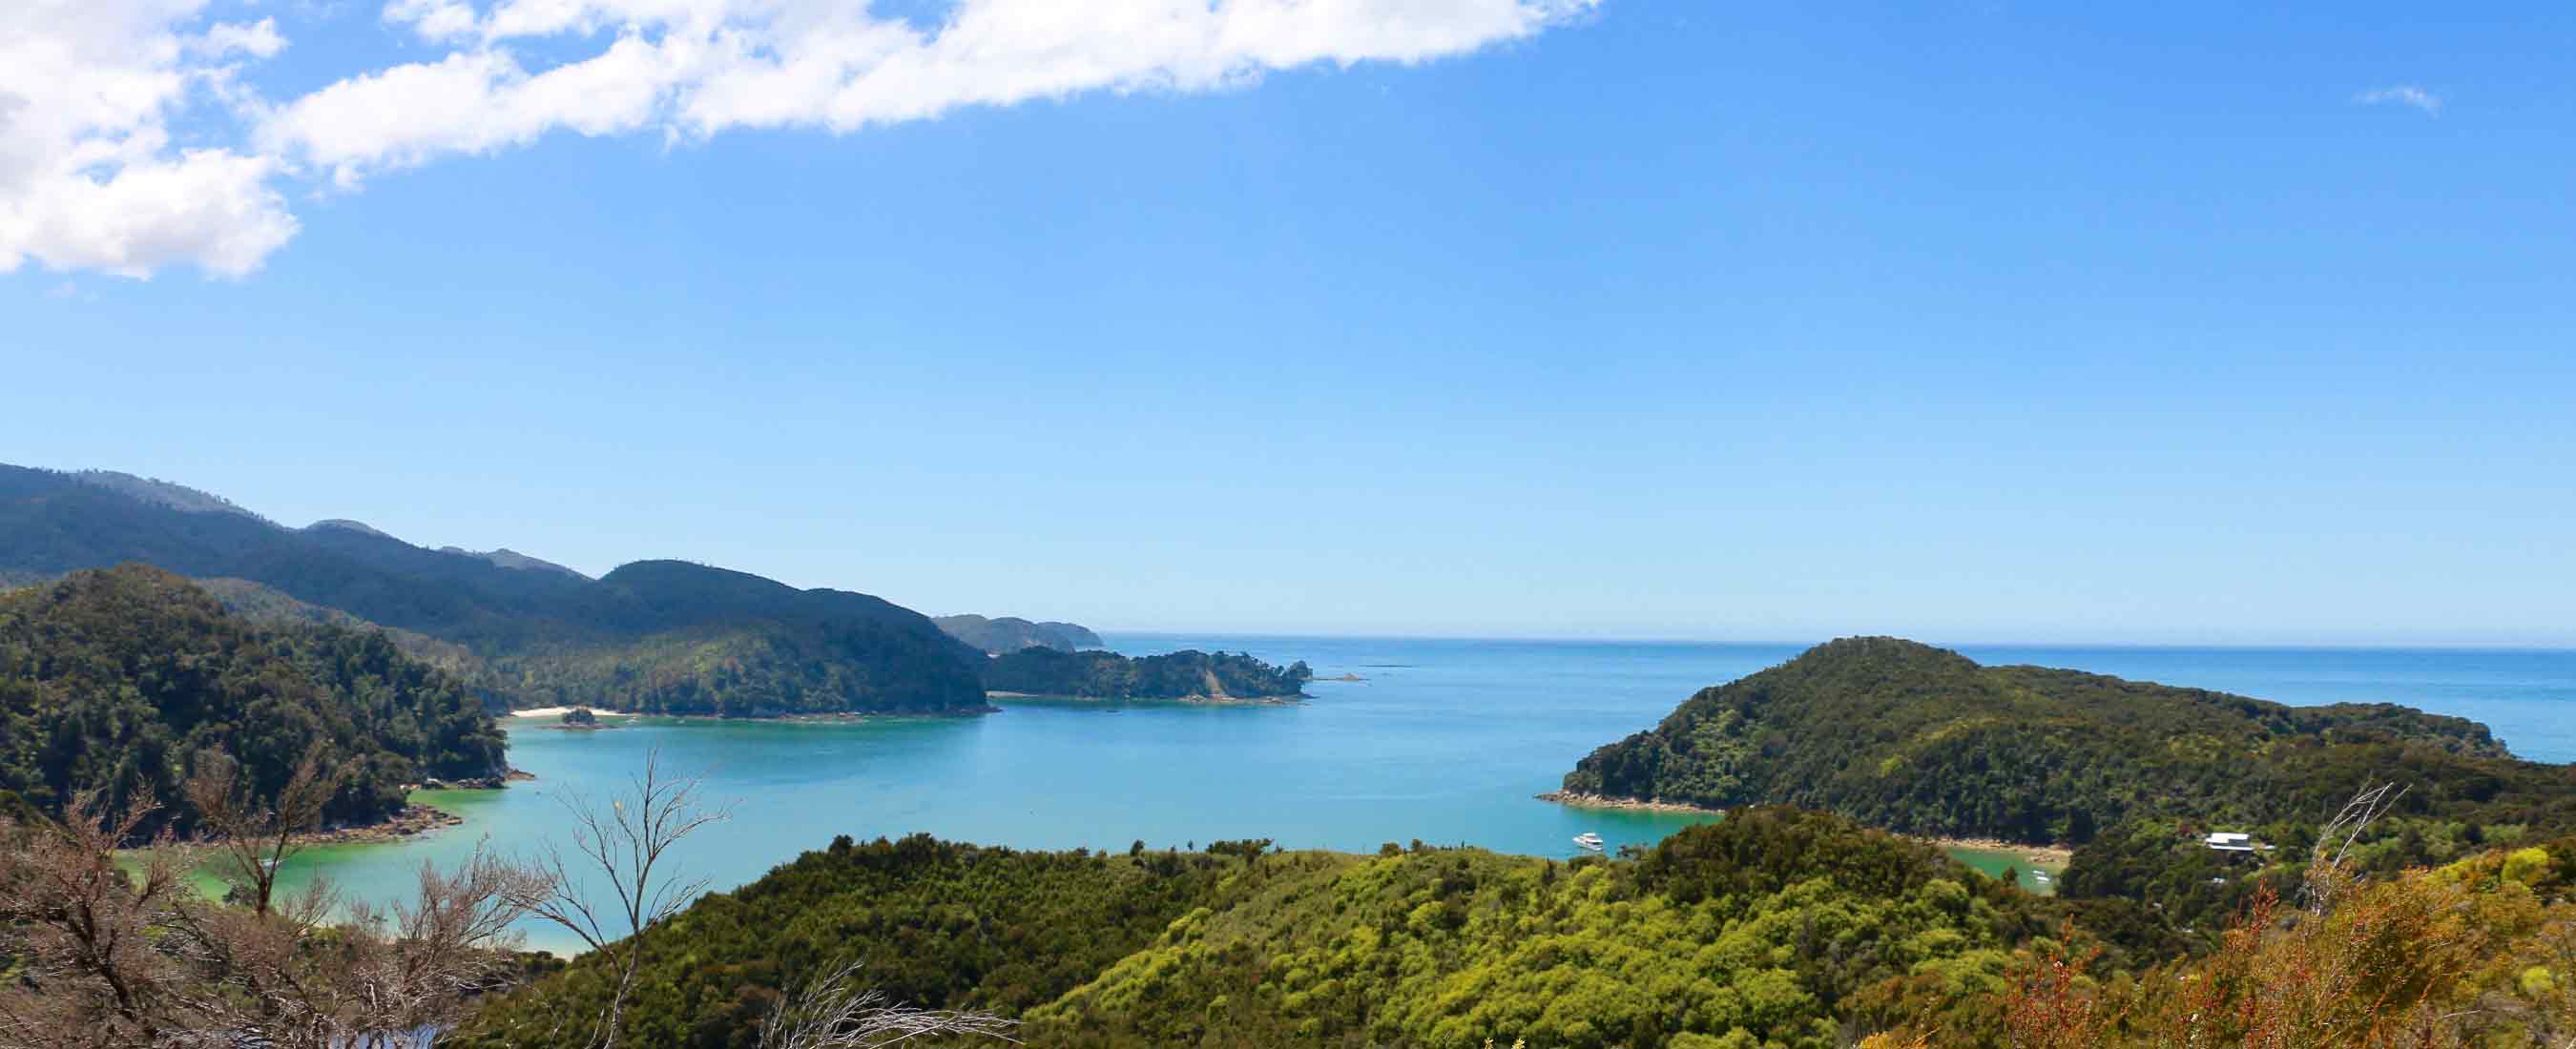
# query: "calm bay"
1442,741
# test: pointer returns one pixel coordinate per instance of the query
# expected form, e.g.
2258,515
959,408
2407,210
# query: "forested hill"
1921,740
1770,928
1010,634
1187,674
664,636
122,680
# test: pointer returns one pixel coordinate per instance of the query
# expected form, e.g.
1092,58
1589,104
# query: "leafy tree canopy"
1772,927
123,680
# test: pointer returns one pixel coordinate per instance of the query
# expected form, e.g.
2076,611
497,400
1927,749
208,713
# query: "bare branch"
118,954
836,1013
627,844
2327,877
256,840
94,974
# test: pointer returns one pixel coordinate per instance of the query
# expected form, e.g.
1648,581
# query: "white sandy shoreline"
2043,855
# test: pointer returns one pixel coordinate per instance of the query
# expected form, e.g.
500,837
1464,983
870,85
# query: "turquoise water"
1444,741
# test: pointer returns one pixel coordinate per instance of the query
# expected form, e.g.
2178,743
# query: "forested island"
666,637
1009,634
1188,674
125,681
1921,740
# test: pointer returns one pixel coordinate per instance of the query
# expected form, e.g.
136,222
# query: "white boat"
1588,840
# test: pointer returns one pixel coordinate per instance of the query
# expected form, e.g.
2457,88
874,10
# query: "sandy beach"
2047,855
2050,855
1211,701
1577,799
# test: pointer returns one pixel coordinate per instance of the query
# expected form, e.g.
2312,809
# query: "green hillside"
119,680
1920,740
1773,927
266,604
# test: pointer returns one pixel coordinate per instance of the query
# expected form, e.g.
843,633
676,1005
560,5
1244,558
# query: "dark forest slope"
121,680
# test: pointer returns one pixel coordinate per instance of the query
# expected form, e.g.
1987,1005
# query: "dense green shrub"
1771,927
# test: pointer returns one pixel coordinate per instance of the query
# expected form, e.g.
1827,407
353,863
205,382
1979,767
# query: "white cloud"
2404,95
466,103
89,175
258,40
433,19
700,67
92,175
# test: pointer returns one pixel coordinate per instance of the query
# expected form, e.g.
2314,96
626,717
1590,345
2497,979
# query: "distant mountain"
122,680
508,558
345,525
660,636
263,604
1921,740
162,493
1011,634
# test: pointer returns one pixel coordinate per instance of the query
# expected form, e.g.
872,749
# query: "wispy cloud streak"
2403,95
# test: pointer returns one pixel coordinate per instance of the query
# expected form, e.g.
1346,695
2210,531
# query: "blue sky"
1973,322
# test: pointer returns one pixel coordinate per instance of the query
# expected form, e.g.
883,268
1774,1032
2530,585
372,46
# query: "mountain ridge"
655,636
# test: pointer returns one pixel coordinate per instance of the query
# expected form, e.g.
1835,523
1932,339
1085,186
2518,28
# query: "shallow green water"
1993,863
1444,741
